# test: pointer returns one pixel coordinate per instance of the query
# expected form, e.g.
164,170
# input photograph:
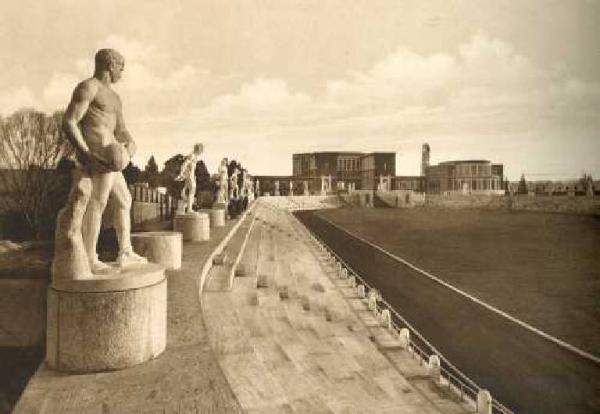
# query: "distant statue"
250,186
305,184
244,189
277,187
589,185
222,195
291,188
93,123
257,188
233,185
187,174
325,184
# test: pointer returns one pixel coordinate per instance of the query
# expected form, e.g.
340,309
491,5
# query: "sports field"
541,268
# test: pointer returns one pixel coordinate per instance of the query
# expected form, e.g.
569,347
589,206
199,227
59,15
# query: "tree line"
35,174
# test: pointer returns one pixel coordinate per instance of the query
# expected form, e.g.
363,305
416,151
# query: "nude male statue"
93,123
187,174
233,185
222,195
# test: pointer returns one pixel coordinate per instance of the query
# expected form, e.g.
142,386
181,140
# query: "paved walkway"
292,337
186,378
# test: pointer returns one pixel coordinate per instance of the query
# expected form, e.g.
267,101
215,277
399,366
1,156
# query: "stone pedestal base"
193,226
162,247
107,324
217,217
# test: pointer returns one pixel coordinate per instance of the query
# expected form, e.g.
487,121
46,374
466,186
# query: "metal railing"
418,345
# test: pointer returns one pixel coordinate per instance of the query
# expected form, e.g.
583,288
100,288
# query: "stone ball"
117,156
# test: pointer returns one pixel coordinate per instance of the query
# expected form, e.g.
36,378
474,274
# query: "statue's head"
198,148
111,61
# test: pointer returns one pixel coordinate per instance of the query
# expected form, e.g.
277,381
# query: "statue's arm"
83,95
122,133
183,169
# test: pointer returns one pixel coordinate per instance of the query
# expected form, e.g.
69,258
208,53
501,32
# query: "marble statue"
589,186
305,184
276,188
257,188
325,184
250,189
291,188
222,195
93,123
244,189
233,185
187,174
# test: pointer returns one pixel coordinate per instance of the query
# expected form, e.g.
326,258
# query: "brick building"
362,170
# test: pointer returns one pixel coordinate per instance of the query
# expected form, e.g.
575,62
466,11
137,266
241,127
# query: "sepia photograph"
300,206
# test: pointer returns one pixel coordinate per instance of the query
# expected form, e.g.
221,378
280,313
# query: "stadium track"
523,370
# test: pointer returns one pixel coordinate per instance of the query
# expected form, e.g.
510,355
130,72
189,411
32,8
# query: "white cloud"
13,100
464,102
483,99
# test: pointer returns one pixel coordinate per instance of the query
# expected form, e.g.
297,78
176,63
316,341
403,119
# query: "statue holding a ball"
93,123
187,174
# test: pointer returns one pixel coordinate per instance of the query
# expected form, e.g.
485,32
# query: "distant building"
409,182
362,170
375,165
466,176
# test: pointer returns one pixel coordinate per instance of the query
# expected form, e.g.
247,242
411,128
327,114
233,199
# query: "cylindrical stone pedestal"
193,226
162,247
217,217
107,324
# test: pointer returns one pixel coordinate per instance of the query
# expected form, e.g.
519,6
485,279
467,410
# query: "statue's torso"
99,123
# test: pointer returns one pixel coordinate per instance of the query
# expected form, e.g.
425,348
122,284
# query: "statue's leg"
183,193
101,187
121,200
121,197
191,185
70,258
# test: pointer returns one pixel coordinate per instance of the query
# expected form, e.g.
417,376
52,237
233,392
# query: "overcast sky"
516,82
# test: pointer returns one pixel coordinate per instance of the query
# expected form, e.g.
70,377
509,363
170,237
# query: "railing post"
352,281
386,319
434,368
372,301
361,291
404,338
484,402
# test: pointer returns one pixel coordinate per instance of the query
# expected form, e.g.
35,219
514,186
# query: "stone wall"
393,199
542,203
408,198
22,311
401,198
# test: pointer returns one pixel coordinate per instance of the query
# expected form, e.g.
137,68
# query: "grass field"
541,268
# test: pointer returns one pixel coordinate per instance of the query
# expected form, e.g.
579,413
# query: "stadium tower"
425,159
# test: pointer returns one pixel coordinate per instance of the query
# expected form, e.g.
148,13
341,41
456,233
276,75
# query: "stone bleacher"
291,336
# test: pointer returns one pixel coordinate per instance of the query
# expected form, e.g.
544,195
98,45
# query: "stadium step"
307,350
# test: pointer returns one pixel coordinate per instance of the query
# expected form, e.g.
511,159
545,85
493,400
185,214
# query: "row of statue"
228,186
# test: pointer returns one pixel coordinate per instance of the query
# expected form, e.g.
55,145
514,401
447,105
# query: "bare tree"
31,145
